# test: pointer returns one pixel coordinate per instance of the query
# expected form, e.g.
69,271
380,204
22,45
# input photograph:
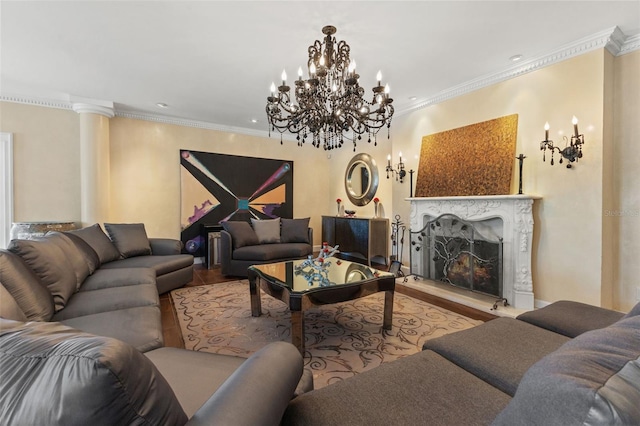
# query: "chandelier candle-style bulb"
284,78
546,131
273,89
574,121
379,78
329,106
389,160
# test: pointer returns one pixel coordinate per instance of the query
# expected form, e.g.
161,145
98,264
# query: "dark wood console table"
365,238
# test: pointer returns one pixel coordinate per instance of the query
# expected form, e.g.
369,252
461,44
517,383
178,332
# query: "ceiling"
213,61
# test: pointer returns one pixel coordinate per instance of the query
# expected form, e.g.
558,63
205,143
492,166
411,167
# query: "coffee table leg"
388,310
254,291
297,330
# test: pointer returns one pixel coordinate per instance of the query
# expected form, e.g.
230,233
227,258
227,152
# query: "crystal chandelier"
329,106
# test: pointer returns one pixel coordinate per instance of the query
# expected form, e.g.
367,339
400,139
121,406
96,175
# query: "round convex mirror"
361,179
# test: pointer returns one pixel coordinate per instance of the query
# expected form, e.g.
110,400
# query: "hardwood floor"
204,276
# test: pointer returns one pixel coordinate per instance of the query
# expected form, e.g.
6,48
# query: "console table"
364,238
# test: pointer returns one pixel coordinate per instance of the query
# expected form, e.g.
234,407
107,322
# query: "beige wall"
626,210
46,166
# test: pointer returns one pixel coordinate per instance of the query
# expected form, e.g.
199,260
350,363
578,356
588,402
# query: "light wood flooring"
204,276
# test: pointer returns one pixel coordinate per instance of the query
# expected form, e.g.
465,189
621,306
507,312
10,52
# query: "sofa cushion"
242,234
73,254
295,231
89,254
130,238
55,375
160,264
31,295
571,318
9,308
420,389
118,277
592,379
272,252
108,299
267,230
499,351
141,327
50,263
99,242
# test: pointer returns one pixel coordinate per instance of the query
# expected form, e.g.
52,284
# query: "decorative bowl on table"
350,213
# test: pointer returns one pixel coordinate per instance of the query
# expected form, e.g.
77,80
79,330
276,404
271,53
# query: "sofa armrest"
310,233
165,246
258,392
571,318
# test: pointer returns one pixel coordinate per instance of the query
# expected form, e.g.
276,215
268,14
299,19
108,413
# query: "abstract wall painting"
219,187
472,160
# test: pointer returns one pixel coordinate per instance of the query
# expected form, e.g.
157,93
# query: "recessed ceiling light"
413,98
515,58
162,105
253,120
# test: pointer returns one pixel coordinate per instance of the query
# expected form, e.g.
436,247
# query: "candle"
389,160
379,78
284,78
299,73
401,157
575,126
273,89
546,131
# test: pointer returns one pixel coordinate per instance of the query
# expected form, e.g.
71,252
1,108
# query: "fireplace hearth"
502,227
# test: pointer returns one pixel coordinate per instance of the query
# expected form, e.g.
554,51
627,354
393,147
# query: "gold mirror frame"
363,195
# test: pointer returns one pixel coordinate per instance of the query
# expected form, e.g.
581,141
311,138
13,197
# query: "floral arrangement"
376,200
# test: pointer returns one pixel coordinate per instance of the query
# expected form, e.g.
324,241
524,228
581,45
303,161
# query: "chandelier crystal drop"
329,106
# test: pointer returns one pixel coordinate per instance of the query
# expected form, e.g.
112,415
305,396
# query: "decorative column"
94,162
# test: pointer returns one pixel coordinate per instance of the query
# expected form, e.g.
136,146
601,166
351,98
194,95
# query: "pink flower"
376,200
338,200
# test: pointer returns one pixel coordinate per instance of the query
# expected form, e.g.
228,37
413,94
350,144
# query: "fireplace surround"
508,216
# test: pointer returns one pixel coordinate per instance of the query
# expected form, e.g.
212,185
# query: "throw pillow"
130,238
74,256
295,231
267,230
99,242
89,254
242,233
9,308
33,298
591,379
50,263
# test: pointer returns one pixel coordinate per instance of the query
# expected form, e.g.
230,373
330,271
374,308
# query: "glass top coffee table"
301,286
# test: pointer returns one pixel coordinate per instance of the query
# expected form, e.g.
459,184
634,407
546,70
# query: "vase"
375,210
338,209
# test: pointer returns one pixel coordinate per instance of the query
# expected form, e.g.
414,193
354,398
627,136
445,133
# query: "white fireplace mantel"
517,232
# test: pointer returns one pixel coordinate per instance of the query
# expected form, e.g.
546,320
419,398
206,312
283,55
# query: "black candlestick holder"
520,158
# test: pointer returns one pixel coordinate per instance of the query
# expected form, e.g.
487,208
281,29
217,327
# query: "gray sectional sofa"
565,364
263,241
81,340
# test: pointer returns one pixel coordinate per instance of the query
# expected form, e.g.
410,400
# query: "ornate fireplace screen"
456,252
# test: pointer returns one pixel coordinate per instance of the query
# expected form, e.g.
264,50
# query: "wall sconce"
397,170
573,149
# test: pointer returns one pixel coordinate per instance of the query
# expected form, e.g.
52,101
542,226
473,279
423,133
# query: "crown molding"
194,123
611,39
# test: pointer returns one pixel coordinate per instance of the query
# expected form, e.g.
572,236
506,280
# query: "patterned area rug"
341,340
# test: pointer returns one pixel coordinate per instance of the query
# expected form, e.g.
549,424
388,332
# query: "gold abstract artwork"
472,160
